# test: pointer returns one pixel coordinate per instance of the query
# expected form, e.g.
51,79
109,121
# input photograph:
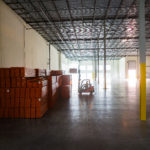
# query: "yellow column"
143,91
142,52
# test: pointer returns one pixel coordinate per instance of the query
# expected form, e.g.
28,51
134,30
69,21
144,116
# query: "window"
89,68
89,76
100,67
82,67
108,67
83,76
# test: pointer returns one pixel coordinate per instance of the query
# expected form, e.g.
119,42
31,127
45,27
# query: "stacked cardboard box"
56,72
53,91
65,88
22,94
41,72
55,81
27,93
37,97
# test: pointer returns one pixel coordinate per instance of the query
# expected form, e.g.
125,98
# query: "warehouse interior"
106,41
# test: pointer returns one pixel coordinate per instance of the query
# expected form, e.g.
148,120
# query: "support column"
79,75
104,55
95,69
98,64
60,62
49,56
142,50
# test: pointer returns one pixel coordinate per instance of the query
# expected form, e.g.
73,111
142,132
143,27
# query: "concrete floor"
106,120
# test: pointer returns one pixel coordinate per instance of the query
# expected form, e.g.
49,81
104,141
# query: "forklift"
85,85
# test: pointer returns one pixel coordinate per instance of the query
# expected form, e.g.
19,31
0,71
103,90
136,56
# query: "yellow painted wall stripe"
143,91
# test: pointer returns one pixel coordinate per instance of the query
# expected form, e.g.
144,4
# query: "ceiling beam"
97,18
108,38
90,49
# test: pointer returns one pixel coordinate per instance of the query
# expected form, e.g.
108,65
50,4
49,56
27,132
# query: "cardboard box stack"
65,88
55,81
56,72
28,93
22,93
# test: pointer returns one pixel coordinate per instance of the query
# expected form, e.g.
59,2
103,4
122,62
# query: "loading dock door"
132,65
132,69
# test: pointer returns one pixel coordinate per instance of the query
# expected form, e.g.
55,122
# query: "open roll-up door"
132,65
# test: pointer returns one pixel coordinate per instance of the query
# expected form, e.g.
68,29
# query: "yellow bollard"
143,91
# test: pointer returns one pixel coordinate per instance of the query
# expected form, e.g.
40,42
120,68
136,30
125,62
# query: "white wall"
36,50
122,69
148,66
148,61
54,58
11,38
64,63
114,69
21,46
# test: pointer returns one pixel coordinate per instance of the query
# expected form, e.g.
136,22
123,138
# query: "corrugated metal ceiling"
76,27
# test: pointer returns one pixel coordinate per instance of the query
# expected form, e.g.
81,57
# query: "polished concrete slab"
107,120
